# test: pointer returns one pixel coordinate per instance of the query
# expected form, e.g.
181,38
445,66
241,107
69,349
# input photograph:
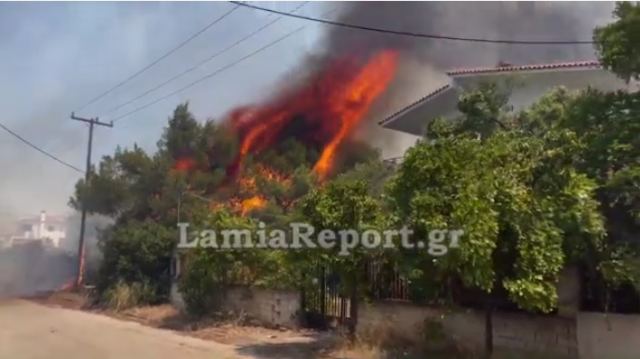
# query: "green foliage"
621,266
524,209
136,252
484,109
343,203
596,134
618,43
623,190
202,285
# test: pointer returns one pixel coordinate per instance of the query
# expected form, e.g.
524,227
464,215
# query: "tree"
138,252
343,203
596,133
522,206
618,44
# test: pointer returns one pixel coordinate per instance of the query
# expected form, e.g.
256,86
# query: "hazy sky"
56,56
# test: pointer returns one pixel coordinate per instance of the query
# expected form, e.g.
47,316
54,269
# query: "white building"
527,83
50,230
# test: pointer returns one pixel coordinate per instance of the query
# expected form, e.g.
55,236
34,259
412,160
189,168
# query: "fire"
273,175
331,106
253,203
321,113
354,103
184,164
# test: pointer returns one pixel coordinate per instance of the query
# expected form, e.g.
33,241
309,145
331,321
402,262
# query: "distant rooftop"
526,83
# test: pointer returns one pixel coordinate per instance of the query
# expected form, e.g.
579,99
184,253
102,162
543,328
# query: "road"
33,331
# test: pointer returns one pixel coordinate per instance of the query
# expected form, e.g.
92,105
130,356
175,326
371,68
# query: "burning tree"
257,163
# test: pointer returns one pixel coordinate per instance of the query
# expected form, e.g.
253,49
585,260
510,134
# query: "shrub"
202,283
123,295
135,253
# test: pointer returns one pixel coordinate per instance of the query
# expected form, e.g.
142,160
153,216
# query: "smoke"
424,61
93,256
31,268
492,20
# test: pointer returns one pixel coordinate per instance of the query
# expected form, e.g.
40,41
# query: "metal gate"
325,303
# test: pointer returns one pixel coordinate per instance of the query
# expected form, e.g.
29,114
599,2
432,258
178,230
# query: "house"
48,229
526,83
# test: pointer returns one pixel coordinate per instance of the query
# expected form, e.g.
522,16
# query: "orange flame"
354,102
322,113
273,175
330,105
253,203
184,164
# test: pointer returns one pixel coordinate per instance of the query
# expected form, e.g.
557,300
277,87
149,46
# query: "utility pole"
81,263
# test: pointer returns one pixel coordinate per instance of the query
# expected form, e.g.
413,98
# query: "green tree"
596,133
137,253
523,207
618,43
343,203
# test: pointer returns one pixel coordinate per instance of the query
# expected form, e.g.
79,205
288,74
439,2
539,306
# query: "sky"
54,57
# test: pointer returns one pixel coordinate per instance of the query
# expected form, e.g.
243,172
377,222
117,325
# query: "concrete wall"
520,332
608,336
270,307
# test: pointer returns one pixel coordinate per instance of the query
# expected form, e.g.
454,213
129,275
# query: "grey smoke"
492,20
424,61
31,269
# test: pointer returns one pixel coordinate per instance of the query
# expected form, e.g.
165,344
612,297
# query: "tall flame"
322,113
354,102
332,106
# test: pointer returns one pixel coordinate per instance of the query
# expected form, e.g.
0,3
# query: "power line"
204,61
30,144
413,34
164,56
208,76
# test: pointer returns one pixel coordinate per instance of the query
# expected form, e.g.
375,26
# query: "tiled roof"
561,65
428,96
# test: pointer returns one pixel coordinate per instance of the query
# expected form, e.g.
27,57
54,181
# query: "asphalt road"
33,331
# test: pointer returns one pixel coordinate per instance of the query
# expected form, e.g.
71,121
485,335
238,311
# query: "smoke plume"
424,61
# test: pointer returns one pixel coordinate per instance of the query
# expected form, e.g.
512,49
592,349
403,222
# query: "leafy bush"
135,253
202,283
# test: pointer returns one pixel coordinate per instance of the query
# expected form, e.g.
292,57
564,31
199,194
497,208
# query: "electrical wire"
208,76
48,154
164,56
198,65
413,34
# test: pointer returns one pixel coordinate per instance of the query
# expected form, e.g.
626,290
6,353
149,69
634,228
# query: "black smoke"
533,21
425,61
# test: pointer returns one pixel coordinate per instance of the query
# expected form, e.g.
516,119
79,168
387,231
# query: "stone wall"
519,332
608,336
271,307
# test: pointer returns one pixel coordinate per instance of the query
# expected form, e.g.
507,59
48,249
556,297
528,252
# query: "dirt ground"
35,331
250,339
247,337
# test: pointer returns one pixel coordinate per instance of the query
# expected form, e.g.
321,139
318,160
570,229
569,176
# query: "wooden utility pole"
81,252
